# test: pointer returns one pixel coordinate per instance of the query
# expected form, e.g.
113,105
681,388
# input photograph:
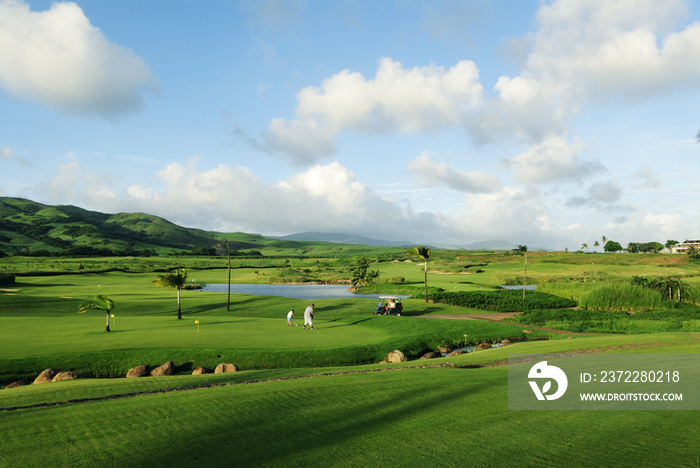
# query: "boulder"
164,369
505,341
19,383
139,371
457,353
45,376
431,355
396,356
527,331
483,346
445,349
201,370
70,375
225,367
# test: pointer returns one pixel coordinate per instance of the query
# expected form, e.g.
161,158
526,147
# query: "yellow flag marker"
114,320
197,322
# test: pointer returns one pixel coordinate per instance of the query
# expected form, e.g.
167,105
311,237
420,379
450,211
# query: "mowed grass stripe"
413,418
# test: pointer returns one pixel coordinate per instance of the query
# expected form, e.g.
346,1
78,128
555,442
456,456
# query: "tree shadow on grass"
279,433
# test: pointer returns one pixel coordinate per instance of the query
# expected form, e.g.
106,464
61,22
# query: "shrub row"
502,300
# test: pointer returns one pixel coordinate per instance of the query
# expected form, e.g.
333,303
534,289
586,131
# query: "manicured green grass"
397,418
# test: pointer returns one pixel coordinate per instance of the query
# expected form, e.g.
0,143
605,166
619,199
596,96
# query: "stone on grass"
19,383
505,341
445,349
164,369
225,367
396,356
139,371
45,376
70,375
457,353
527,331
201,370
431,355
483,346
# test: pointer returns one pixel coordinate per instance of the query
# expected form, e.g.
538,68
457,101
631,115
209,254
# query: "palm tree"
596,244
423,252
584,246
175,280
224,248
604,239
99,303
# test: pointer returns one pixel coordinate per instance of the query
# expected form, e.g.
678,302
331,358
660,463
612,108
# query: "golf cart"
389,305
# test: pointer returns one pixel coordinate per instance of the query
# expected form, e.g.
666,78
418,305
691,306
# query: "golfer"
290,314
309,317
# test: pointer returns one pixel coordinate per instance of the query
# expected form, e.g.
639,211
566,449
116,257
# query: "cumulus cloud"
402,100
592,51
58,58
603,194
552,160
434,173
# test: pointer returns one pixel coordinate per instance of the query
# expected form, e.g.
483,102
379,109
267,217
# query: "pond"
294,291
528,287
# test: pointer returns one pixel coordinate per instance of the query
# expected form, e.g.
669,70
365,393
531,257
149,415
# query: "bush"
502,300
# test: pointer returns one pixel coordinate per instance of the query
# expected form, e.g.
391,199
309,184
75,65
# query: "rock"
483,346
445,349
383,362
70,375
19,383
201,370
45,376
396,356
505,341
431,355
164,369
527,331
225,367
140,371
457,353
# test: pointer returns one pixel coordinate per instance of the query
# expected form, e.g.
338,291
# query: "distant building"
684,246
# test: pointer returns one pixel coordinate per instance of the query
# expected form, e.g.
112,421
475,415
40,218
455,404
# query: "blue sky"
549,124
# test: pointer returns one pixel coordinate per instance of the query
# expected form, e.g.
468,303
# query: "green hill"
31,228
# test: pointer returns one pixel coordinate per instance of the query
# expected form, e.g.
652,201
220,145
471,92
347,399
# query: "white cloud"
553,160
646,178
7,154
435,173
58,58
592,52
402,100
602,194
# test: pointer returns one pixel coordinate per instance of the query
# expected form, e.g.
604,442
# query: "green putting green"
54,335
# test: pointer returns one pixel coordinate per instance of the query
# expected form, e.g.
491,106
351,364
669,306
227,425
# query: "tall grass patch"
622,297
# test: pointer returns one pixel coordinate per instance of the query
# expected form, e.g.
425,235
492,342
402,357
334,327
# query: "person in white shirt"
290,314
309,317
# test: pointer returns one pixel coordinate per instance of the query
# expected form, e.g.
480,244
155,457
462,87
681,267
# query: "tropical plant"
423,252
584,246
604,239
612,246
176,281
362,276
596,244
100,302
693,252
224,248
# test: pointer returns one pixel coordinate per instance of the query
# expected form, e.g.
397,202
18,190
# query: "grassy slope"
412,417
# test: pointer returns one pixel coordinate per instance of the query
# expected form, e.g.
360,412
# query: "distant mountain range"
33,228
342,238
